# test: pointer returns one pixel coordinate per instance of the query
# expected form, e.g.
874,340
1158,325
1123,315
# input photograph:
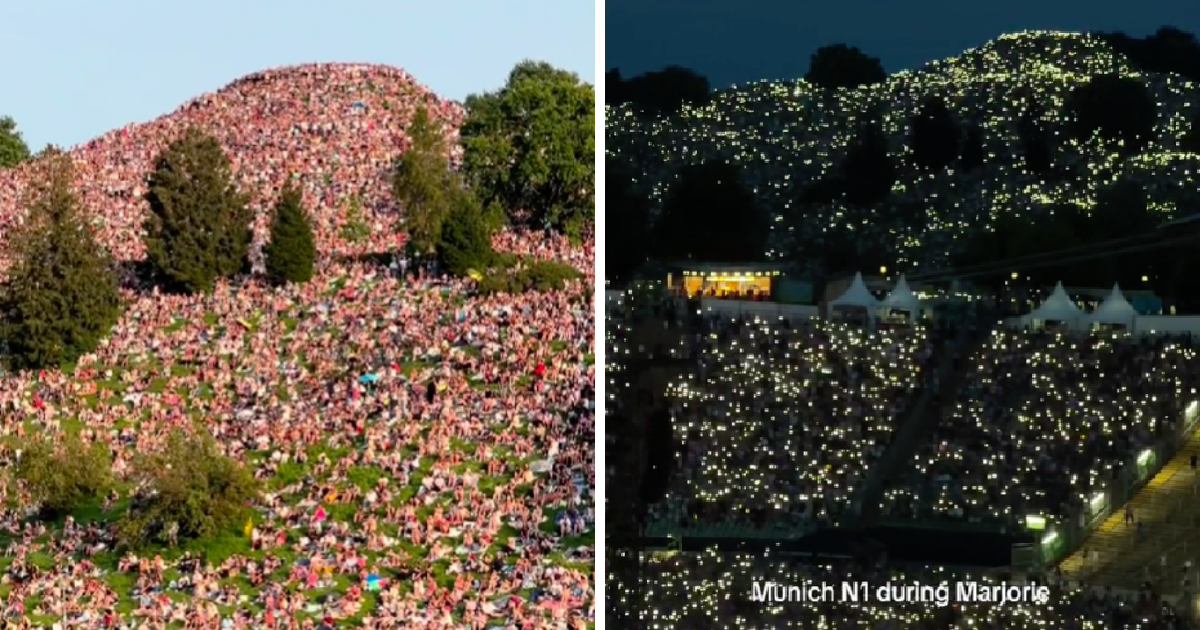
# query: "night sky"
737,41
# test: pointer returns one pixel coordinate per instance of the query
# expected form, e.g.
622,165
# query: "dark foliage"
199,225
867,172
842,66
659,93
935,136
626,247
190,485
708,215
292,251
541,275
1119,108
465,243
61,296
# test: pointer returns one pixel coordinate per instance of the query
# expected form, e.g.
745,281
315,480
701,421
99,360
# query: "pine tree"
465,243
292,250
62,293
424,184
199,226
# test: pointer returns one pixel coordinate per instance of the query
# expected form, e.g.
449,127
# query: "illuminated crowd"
1045,420
427,452
714,589
778,423
787,133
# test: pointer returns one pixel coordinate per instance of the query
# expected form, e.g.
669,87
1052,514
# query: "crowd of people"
336,128
784,133
706,589
777,423
1045,420
427,452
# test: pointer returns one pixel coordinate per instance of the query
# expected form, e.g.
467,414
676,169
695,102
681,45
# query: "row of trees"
663,92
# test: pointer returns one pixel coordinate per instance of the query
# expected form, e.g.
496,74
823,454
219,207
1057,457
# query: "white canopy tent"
902,299
1057,308
856,296
1114,311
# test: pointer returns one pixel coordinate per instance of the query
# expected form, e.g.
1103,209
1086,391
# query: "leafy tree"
531,146
1035,142
292,251
867,173
63,477
972,150
842,66
424,184
465,243
709,216
935,135
199,224
1190,140
62,293
614,88
13,149
1120,108
627,250
191,489
1169,50
660,93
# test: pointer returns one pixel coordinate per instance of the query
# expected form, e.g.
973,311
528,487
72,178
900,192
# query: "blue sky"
76,68
736,41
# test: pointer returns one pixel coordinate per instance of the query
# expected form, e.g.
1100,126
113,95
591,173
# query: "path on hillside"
1170,513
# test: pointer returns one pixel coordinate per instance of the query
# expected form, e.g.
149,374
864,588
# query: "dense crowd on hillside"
461,473
778,423
427,452
1046,420
786,133
698,590
338,128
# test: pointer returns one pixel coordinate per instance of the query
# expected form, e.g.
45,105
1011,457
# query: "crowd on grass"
778,423
1044,421
427,452
716,589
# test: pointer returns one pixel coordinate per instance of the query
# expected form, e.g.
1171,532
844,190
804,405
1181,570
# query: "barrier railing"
1060,539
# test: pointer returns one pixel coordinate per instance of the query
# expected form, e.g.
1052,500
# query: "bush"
542,275
190,487
292,251
64,477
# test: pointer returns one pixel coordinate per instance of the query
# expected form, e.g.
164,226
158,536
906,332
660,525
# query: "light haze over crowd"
78,68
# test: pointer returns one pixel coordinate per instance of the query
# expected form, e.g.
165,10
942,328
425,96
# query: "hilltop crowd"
337,127
696,590
427,452
1044,421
